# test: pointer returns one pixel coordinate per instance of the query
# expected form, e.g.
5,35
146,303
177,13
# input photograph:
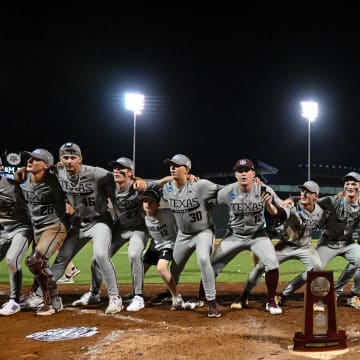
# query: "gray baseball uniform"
246,227
336,240
15,233
46,206
246,231
162,229
129,226
45,201
296,244
190,206
88,193
345,277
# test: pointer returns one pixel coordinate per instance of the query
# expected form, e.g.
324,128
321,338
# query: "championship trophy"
320,333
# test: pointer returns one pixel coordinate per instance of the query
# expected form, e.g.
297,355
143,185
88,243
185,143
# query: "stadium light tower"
310,112
135,103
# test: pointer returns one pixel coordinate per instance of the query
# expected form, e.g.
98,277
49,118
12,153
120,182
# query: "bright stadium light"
310,112
135,103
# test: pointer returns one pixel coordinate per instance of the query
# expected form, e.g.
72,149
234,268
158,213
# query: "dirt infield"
156,333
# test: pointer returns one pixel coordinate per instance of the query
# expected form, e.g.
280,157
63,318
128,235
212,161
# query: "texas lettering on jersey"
247,208
179,206
83,188
190,204
34,198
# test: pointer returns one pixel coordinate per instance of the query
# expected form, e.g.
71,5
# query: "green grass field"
236,271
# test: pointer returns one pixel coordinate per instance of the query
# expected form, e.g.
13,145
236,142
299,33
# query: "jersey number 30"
196,216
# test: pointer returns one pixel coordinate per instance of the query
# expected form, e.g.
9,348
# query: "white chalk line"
115,335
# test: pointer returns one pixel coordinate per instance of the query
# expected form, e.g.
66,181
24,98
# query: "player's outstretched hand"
139,184
192,178
288,202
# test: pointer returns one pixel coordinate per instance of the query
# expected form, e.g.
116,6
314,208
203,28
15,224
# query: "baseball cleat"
51,309
280,300
45,310
31,301
75,271
214,310
177,303
66,280
192,304
354,302
115,305
239,304
88,298
160,298
273,309
10,308
137,303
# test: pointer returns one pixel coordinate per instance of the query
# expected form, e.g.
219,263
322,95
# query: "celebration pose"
296,242
190,202
46,204
247,201
88,189
162,228
129,227
342,219
15,238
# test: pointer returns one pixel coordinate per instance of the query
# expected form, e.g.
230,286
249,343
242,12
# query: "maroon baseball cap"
243,163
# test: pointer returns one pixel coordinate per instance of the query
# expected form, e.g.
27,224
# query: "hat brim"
346,178
114,164
170,162
29,154
236,168
142,197
304,187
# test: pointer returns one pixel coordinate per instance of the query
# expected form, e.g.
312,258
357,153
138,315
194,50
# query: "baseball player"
162,228
46,204
129,227
296,243
15,238
247,201
189,203
343,217
88,189
350,271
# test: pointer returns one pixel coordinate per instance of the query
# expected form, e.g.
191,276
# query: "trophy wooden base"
332,341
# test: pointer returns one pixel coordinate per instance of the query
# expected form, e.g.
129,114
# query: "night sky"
217,88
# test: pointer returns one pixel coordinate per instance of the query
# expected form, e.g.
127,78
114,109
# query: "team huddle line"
58,209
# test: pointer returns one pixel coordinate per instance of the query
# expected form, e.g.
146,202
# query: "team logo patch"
13,159
232,196
63,334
